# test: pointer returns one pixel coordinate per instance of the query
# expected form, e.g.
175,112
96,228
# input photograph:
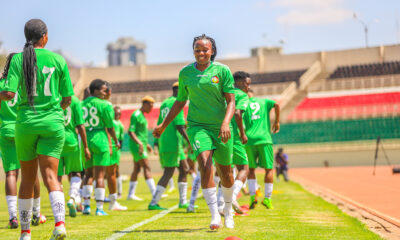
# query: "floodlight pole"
365,27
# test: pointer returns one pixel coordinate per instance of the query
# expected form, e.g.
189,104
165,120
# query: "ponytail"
30,70
7,66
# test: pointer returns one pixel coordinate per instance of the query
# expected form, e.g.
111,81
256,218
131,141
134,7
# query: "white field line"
146,221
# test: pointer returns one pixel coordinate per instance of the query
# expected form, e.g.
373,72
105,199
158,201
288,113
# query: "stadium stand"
373,69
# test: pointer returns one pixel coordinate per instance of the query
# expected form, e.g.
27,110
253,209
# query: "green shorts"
70,161
260,155
169,159
203,139
99,149
239,152
116,155
9,154
135,151
47,142
182,155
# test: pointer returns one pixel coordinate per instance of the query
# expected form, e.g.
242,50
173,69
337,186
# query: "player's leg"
252,155
182,183
266,161
112,187
144,163
192,167
11,167
87,188
161,186
37,217
133,181
242,164
99,191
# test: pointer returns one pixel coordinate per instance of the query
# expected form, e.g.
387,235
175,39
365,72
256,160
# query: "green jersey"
170,140
8,114
119,131
241,103
139,126
257,122
52,83
97,113
72,118
205,90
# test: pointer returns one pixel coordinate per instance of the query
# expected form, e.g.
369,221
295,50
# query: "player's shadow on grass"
164,230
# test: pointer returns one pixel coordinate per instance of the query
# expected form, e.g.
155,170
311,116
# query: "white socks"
157,195
12,206
25,212
171,183
132,188
36,207
220,198
252,186
119,185
268,189
237,186
87,192
151,184
57,205
193,174
74,188
227,193
182,192
113,198
216,180
99,194
195,189
210,194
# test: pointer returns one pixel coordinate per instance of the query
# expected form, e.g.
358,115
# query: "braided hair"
7,66
34,31
212,41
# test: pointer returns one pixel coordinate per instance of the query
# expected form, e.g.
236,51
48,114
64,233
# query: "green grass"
297,215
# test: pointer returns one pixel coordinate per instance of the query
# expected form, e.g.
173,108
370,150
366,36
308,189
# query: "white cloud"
312,12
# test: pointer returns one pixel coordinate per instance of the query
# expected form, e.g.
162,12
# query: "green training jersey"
72,117
205,90
170,139
52,83
8,114
138,125
97,113
257,122
119,131
241,103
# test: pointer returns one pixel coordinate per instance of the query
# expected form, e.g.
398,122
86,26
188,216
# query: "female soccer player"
99,114
8,151
42,78
209,87
139,148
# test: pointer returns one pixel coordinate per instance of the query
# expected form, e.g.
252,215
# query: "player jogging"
259,145
171,150
42,78
9,158
116,156
139,147
209,87
98,115
71,158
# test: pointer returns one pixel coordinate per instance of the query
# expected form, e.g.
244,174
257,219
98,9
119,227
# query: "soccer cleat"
117,207
156,207
13,223
134,197
184,205
228,219
253,202
191,209
79,207
100,212
72,208
215,223
106,199
36,220
236,207
59,233
86,210
267,203
25,236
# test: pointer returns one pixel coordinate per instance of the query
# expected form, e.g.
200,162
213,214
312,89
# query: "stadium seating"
338,131
348,106
373,69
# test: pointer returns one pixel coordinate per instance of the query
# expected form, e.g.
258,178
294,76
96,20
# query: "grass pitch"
297,215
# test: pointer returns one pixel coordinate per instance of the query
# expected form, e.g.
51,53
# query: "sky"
82,29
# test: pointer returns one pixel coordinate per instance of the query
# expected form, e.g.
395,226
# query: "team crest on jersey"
215,79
